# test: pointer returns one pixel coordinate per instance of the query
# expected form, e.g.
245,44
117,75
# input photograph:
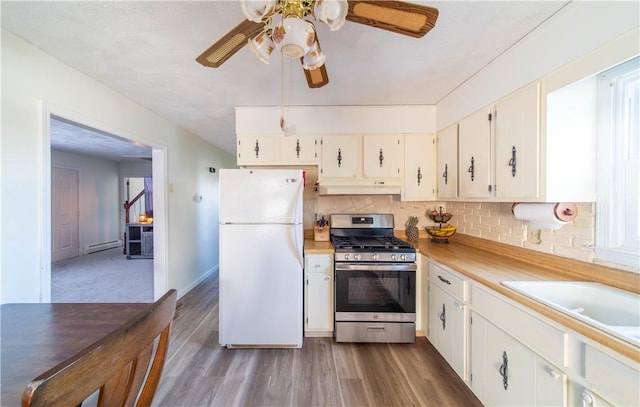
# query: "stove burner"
369,243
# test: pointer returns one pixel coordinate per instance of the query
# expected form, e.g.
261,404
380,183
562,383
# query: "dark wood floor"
199,372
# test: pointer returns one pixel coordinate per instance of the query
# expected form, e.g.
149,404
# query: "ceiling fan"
288,25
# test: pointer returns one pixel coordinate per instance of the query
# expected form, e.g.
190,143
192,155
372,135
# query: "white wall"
98,196
574,31
31,77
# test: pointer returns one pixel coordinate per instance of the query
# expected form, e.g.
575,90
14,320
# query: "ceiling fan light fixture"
262,46
315,58
331,12
256,10
295,37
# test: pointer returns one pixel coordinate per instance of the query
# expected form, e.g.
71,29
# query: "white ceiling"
146,50
79,139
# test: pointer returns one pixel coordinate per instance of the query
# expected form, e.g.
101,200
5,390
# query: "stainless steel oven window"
375,291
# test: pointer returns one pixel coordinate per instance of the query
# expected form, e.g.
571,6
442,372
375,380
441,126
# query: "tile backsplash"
488,220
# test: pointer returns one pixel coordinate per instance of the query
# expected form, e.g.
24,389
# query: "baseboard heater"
97,247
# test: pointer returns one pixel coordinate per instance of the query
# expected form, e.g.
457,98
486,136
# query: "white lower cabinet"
447,327
318,295
447,320
504,372
609,378
510,355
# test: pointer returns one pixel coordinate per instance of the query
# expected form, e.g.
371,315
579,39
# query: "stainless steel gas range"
375,280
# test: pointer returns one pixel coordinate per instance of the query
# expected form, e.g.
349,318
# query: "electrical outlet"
534,236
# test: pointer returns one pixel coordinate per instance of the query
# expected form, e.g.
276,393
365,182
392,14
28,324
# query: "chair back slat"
125,365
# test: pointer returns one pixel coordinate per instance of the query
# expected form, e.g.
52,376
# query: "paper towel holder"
563,211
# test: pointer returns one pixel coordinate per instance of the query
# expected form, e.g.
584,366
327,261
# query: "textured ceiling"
146,51
79,139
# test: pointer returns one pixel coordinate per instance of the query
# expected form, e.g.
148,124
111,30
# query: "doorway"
78,143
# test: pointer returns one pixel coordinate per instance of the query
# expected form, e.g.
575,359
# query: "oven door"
375,291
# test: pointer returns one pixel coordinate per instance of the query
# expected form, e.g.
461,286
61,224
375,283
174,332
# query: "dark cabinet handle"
472,169
419,176
512,161
257,149
443,317
298,148
380,157
339,157
444,280
504,370
445,174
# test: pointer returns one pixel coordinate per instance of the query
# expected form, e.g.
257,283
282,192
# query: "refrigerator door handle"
299,242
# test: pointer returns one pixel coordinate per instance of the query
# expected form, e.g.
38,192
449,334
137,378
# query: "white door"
518,144
261,285
64,214
341,156
256,150
474,170
382,155
261,196
419,168
447,171
319,292
297,150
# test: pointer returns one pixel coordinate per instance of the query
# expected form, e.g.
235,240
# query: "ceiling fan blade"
229,44
316,78
396,16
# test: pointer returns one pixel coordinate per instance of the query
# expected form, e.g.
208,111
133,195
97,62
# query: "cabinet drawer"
318,263
543,338
611,379
448,281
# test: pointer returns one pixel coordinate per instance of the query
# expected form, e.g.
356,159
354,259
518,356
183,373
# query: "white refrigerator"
261,258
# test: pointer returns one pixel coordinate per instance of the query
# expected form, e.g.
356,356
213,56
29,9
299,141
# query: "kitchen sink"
608,308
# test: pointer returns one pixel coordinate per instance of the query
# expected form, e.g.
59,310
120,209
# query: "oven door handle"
342,266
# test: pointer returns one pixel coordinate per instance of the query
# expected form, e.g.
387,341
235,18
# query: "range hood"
360,187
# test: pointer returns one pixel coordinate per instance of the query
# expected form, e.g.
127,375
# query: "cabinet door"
474,170
419,168
147,241
297,150
341,156
504,372
256,150
447,328
382,156
318,293
517,126
447,171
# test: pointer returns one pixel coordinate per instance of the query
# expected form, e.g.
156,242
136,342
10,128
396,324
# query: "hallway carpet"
105,276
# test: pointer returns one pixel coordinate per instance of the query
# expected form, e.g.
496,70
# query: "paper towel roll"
545,215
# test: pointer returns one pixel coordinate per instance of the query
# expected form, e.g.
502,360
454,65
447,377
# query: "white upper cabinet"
419,168
276,150
517,144
341,156
382,155
297,149
256,150
447,169
474,154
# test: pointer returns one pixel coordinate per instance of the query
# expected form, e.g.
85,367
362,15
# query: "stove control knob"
376,257
394,257
403,257
356,257
346,256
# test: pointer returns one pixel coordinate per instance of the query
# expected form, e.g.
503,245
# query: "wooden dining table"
36,337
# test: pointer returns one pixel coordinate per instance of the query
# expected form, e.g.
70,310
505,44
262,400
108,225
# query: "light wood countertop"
491,263
311,246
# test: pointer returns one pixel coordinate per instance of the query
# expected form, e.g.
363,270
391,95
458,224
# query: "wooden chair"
125,366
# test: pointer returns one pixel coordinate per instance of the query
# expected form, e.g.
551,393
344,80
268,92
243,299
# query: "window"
618,223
